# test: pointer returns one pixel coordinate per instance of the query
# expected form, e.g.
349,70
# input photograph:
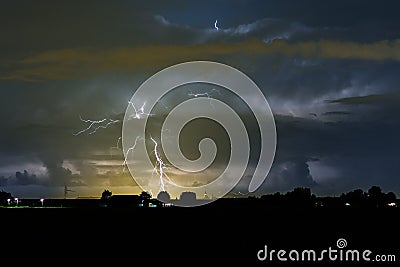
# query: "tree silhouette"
300,196
376,197
4,196
106,194
375,192
145,195
390,197
355,198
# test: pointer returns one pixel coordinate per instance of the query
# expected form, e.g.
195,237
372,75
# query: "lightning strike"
117,145
118,141
132,148
95,125
161,166
215,25
206,94
138,112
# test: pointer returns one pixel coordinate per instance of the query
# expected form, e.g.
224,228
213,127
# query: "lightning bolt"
138,112
117,145
95,125
215,25
160,166
132,148
206,94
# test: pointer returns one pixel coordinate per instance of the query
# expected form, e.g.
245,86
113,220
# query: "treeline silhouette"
5,197
303,197
299,197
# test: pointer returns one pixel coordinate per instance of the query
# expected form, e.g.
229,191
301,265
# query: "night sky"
329,70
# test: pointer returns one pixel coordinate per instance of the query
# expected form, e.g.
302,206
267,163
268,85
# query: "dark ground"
190,236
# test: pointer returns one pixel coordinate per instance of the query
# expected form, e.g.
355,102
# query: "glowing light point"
215,25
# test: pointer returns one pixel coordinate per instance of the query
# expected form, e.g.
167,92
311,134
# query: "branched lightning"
160,167
95,125
206,94
132,148
138,112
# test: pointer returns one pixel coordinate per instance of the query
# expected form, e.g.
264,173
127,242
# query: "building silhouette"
164,197
188,198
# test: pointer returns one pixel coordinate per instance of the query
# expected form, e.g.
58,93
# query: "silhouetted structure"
187,198
164,197
297,198
106,194
66,190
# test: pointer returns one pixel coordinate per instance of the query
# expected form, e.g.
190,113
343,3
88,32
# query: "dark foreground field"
188,236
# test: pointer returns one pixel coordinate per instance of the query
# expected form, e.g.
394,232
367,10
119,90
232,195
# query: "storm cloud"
329,71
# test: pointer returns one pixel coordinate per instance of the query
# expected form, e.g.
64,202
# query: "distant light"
347,204
392,204
215,25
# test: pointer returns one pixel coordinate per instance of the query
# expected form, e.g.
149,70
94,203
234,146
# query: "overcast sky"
329,70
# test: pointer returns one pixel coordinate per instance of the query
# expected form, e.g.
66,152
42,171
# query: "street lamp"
8,201
16,200
41,200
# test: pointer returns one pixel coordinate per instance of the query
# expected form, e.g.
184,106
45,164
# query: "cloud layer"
329,72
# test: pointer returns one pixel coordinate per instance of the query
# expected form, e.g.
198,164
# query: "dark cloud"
382,99
3,181
287,175
317,62
22,178
362,153
28,27
335,113
25,178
